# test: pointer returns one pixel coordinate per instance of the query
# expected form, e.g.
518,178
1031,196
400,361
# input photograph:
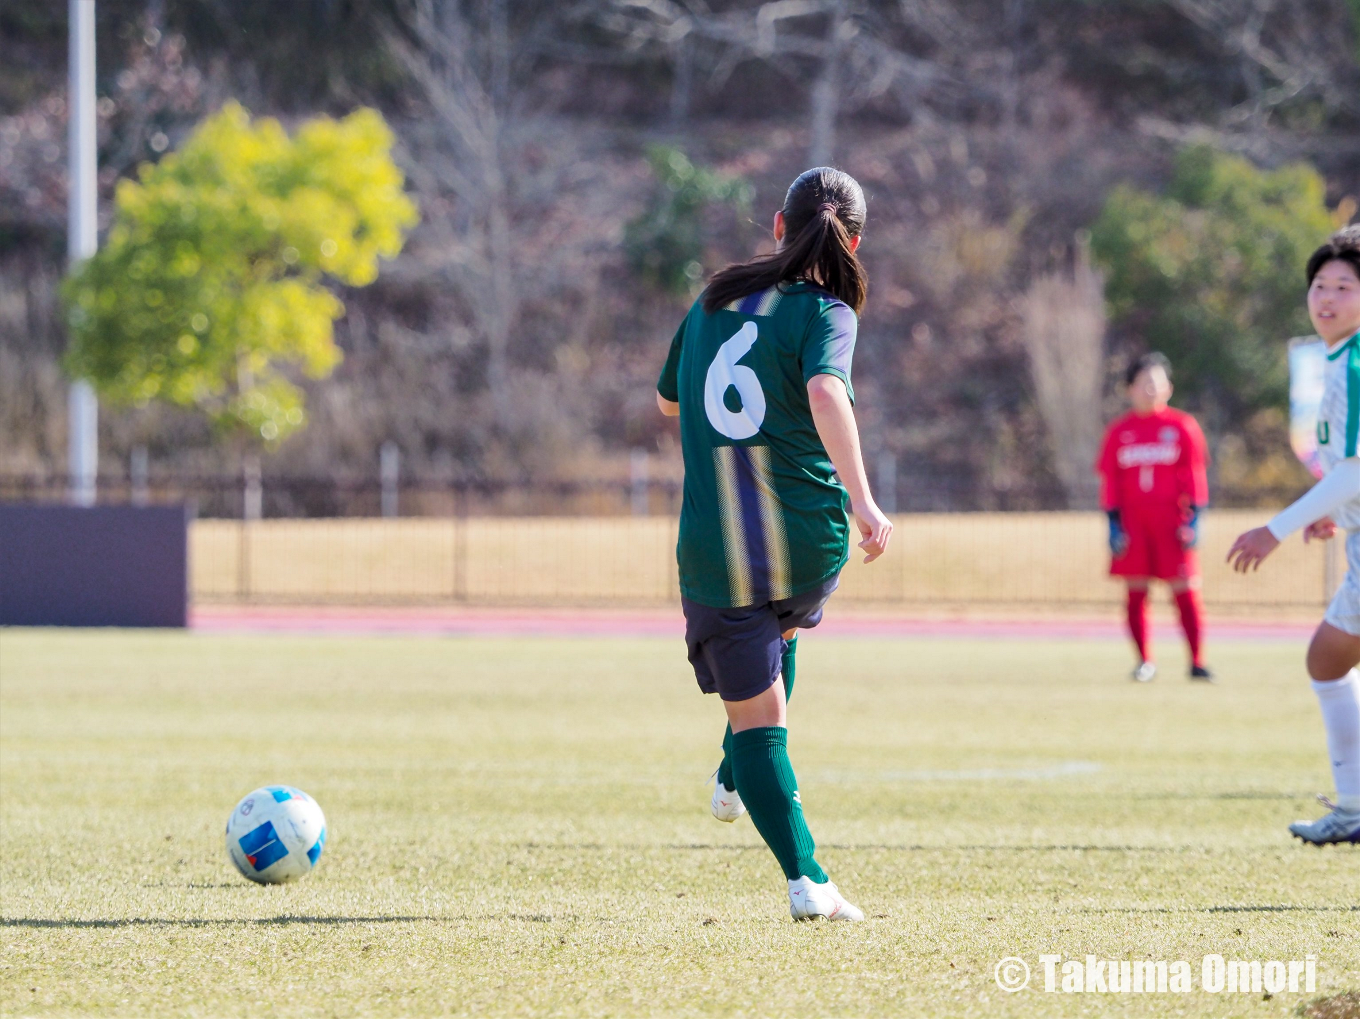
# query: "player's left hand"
1250,548
1119,538
1188,533
1320,530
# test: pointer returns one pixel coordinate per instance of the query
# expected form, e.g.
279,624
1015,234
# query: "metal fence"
292,497
387,495
938,560
613,543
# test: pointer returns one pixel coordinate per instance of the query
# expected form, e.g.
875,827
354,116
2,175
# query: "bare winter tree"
853,51
509,207
462,152
1285,49
1064,333
520,210
825,49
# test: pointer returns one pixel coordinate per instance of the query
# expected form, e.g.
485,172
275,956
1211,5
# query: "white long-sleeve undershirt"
1340,486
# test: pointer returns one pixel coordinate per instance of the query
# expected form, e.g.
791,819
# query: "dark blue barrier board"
95,566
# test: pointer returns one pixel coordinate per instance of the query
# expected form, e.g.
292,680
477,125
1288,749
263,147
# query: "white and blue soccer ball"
276,834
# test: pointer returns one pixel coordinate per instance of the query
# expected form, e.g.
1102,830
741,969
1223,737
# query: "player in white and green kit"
1333,274
759,374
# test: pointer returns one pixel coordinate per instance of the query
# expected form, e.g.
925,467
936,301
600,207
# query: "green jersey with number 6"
764,516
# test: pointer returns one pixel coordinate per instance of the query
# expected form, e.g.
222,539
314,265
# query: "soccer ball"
276,834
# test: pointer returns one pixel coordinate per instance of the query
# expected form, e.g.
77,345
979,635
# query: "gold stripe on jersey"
772,521
768,302
734,534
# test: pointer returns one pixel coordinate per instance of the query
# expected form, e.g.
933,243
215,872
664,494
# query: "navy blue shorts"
736,652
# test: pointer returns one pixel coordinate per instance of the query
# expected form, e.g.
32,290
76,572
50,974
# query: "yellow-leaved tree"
213,277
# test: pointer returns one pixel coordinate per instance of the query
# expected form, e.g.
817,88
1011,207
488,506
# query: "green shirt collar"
1332,355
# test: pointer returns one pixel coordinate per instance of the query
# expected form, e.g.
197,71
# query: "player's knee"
1320,667
1324,667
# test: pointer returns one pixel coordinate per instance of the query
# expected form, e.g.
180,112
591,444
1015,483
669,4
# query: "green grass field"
521,827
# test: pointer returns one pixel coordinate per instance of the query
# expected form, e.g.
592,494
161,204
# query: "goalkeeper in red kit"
1153,487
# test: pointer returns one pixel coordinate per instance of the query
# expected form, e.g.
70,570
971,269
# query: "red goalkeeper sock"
1192,619
1138,622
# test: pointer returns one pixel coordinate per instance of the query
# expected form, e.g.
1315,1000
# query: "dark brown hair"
1342,246
823,210
1143,362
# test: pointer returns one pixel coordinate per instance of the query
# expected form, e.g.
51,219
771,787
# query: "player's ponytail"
823,210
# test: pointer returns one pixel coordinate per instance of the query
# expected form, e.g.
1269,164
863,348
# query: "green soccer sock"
788,667
768,787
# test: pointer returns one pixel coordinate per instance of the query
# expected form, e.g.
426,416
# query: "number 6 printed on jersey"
725,373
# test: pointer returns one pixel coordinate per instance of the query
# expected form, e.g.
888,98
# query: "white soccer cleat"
1338,826
727,805
811,901
1144,672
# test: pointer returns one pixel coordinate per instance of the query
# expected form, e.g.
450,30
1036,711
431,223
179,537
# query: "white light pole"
638,478
886,493
389,473
82,239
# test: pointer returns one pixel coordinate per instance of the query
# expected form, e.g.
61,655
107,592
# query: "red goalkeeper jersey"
1153,459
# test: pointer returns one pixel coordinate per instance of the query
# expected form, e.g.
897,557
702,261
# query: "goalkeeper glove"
1119,538
1188,532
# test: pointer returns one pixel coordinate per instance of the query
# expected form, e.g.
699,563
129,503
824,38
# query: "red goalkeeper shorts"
1155,548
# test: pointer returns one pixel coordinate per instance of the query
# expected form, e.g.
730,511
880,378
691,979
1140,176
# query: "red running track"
663,622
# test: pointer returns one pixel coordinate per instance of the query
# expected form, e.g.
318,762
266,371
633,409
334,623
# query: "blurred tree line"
579,167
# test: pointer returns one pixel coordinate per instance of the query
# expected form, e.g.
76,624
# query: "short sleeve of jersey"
830,344
669,383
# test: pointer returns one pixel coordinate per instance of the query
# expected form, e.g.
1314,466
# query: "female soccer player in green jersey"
1333,273
759,374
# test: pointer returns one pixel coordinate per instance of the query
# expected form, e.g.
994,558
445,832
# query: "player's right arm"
668,385
1106,467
